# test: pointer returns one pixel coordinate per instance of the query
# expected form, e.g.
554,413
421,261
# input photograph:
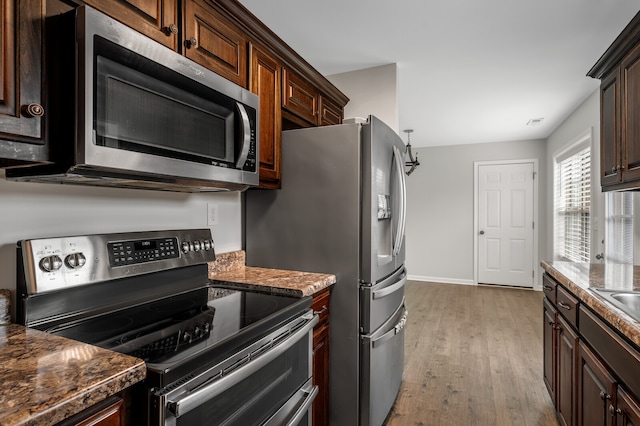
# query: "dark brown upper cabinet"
22,108
619,72
157,19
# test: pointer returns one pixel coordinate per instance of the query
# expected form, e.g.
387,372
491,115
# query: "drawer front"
567,305
320,307
549,287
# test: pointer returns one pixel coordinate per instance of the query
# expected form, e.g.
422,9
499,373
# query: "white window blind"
619,220
572,205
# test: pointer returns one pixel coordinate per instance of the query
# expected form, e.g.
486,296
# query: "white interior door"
505,224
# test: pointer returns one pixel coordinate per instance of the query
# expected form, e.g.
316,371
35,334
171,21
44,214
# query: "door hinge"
533,274
533,225
534,175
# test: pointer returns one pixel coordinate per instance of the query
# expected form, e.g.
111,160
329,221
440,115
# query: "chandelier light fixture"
411,162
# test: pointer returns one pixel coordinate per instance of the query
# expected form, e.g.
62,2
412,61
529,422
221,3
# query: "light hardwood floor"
473,356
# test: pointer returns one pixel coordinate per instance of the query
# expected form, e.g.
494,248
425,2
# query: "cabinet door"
549,348
265,82
567,347
628,411
21,106
330,113
214,42
157,19
299,97
630,107
595,389
610,142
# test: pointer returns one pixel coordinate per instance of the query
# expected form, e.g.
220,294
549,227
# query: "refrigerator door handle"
377,294
397,242
391,333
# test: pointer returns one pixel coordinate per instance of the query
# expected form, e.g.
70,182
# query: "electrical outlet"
212,214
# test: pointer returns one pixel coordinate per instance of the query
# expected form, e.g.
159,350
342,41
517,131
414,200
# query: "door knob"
481,232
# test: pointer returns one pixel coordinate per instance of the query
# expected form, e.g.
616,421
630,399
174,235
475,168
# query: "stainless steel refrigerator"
341,210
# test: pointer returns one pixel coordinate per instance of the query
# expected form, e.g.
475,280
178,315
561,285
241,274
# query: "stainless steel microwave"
142,115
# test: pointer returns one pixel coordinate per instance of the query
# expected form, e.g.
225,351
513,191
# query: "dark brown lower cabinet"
596,387
107,413
628,410
560,351
592,373
567,348
321,359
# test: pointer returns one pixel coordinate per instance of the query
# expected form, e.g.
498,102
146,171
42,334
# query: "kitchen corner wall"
30,210
363,101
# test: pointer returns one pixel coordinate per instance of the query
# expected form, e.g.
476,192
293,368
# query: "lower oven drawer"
255,386
381,368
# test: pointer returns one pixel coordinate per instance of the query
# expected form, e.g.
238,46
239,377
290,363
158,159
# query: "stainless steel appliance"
144,116
341,210
214,355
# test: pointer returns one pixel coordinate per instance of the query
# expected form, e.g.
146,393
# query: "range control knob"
50,263
75,260
196,245
185,246
206,244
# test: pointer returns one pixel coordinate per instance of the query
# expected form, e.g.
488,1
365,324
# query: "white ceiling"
469,71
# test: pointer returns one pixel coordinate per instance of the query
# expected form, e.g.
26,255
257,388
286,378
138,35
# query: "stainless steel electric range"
214,355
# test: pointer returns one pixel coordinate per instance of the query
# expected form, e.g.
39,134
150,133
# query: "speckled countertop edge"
50,378
583,279
230,268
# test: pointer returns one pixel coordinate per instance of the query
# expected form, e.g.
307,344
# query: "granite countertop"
583,278
231,268
48,378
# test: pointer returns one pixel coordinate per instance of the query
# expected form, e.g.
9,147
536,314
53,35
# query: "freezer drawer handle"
391,333
200,396
377,294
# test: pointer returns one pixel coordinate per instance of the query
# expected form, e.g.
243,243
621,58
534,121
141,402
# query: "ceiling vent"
535,122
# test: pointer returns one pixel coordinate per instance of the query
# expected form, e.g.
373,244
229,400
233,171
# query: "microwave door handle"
246,135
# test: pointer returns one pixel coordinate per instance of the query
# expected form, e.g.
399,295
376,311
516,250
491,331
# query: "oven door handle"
203,394
300,412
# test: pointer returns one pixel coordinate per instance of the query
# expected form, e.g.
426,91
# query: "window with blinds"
572,204
619,233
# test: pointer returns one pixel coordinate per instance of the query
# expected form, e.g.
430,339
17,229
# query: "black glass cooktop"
169,332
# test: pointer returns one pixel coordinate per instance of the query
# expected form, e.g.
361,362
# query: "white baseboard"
440,280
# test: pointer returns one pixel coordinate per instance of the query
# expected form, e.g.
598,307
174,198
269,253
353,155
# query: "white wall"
30,210
440,206
371,91
585,117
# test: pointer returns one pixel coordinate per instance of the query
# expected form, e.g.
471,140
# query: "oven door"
267,383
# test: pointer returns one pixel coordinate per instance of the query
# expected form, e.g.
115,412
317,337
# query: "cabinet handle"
614,169
192,42
324,308
548,288
171,29
32,110
564,306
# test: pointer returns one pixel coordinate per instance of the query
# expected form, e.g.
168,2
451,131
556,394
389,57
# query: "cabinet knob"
32,110
604,396
171,29
613,410
192,42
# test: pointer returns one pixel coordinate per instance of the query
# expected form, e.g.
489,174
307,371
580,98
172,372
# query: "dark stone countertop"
46,379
